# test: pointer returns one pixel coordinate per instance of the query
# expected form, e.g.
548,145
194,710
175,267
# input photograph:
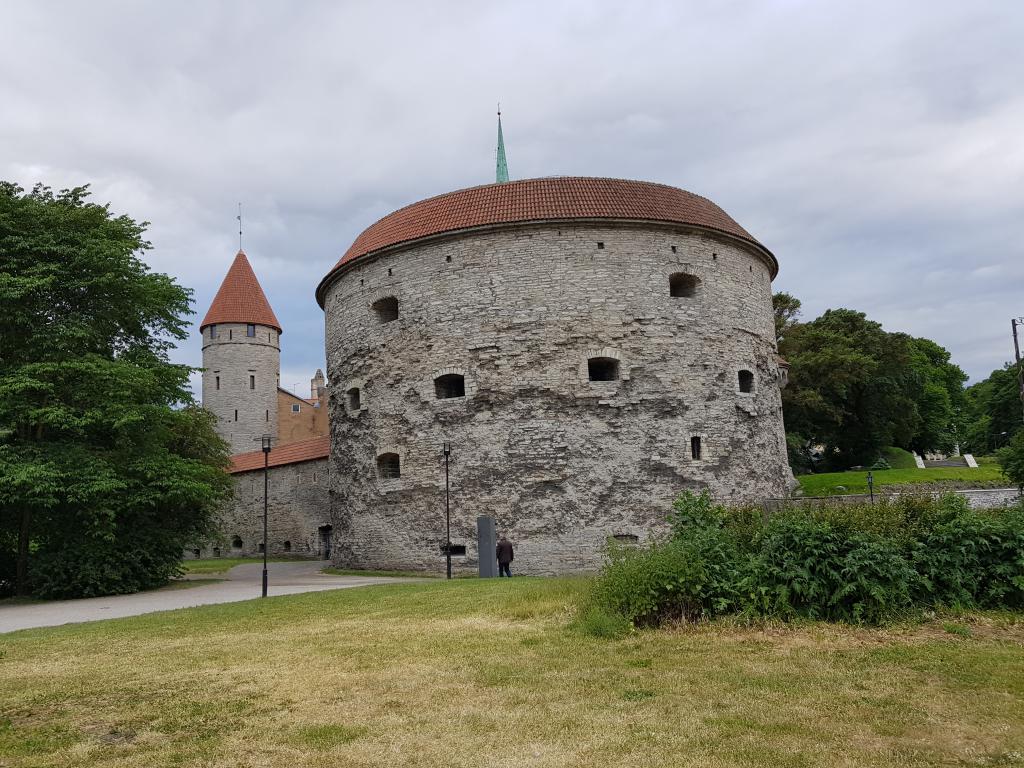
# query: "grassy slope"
486,673
899,458
825,484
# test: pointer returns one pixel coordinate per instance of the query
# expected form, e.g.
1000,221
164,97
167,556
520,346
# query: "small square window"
296,408
250,330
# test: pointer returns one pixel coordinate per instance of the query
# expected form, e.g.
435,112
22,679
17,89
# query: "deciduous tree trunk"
21,570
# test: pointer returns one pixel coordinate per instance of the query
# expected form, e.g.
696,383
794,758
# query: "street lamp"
266,440
1015,323
871,486
447,448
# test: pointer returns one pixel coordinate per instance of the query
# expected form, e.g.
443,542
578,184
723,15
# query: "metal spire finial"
501,169
239,217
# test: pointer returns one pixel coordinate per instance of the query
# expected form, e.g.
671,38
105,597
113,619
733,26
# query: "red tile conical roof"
241,299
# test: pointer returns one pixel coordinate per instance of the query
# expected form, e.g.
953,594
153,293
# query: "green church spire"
502,165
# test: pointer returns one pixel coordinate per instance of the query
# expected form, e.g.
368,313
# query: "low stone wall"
977,498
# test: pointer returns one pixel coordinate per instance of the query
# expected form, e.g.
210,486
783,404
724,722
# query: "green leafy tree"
1011,458
787,310
992,412
937,387
856,389
107,470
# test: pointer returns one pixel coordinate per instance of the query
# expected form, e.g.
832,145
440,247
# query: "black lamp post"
266,484
447,447
871,486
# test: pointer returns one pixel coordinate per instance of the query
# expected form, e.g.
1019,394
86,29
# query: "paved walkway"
243,582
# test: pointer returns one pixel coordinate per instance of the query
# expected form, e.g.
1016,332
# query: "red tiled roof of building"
241,299
547,199
292,453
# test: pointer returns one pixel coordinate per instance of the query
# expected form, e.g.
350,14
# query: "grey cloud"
873,146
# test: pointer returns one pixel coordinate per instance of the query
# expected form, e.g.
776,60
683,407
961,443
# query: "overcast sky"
877,148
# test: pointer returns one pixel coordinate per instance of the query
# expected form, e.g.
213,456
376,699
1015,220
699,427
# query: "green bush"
1011,458
806,567
859,563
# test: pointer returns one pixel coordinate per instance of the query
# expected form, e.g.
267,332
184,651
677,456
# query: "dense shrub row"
844,562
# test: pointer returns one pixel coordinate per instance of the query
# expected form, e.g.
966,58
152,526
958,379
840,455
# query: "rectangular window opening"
217,382
695,447
252,381
250,330
296,408
236,415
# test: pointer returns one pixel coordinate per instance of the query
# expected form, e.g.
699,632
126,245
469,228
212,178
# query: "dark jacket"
504,552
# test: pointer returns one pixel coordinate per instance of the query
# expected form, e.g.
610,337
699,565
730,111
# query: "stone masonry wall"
234,357
297,509
561,462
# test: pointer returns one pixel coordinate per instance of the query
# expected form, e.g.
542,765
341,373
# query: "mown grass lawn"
489,673
987,474
224,564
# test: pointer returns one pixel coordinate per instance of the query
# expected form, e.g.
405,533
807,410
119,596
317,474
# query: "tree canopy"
855,388
107,468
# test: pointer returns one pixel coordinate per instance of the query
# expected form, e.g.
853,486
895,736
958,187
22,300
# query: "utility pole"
266,460
1014,323
447,512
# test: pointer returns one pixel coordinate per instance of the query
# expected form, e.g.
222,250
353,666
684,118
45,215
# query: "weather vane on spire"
239,217
502,164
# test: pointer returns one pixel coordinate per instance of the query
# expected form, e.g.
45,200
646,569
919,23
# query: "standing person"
505,556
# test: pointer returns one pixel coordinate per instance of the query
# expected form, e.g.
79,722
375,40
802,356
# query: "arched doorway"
324,542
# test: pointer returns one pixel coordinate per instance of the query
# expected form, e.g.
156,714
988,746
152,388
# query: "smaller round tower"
241,359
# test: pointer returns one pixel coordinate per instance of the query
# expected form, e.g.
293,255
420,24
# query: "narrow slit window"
354,399
236,414
229,334
386,309
746,381
450,385
268,415
252,381
682,285
216,380
389,466
603,369
695,448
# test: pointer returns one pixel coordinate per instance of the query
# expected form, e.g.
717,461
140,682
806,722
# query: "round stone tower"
590,348
241,359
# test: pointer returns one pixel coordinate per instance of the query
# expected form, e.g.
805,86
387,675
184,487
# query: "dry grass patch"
488,673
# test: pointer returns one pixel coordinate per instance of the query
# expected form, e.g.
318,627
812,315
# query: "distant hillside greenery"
856,389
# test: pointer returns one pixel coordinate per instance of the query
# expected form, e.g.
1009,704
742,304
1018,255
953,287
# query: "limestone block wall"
562,462
298,512
246,408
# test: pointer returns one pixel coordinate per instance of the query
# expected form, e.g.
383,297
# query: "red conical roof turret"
241,299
